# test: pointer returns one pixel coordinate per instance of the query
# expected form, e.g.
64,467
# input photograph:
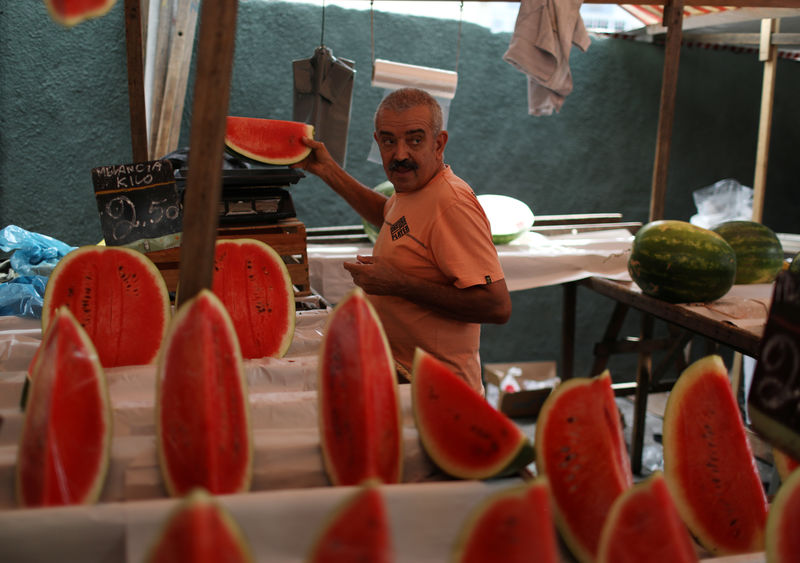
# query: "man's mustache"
406,163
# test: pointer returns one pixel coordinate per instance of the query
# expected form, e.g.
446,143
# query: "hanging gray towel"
323,92
543,36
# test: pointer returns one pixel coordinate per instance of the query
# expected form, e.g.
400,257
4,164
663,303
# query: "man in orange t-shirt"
434,275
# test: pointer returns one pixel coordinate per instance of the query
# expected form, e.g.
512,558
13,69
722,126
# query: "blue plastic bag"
35,255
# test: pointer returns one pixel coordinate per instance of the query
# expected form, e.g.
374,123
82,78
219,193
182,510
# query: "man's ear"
440,142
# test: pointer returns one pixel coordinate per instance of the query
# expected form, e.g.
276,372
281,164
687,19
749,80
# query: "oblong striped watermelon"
270,141
118,296
759,253
709,464
202,406
253,282
359,407
65,443
680,262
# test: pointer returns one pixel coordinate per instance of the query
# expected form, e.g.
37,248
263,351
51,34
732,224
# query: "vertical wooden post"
133,45
673,21
206,142
768,53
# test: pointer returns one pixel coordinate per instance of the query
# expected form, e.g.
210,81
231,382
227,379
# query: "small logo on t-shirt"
488,279
400,228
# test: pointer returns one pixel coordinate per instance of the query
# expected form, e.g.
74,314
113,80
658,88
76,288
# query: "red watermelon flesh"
581,449
270,141
65,444
72,12
253,283
200,530
118,296
356,531
360,419
514,525
782,540
460,431
708,462
203,420
644,525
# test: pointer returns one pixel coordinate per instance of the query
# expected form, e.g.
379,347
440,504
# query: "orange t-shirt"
441,234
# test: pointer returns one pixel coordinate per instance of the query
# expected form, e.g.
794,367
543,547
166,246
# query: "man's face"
411,154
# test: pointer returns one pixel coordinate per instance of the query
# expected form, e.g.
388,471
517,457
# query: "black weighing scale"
253,196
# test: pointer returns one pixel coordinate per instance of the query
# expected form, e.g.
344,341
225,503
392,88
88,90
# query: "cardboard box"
535,380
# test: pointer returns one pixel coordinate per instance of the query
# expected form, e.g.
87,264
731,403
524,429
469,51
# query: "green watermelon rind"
329,450
386,188
519,451
90,354
70,265
200,498
693,381
681,263
236,146
176,325
779,523
794,266
620,468
268,251
759,253
464,549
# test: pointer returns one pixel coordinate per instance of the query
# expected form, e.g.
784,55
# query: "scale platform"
253,196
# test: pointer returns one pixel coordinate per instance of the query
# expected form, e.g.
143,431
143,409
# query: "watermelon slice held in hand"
73,12
270,141
65,443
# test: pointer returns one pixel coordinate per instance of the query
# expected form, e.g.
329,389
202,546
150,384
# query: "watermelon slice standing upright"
270,141
708,462
581,450
202,406
463,434
514,525
782,539
359,408
64,447
200,530
253,283
118,296
644,525
356,530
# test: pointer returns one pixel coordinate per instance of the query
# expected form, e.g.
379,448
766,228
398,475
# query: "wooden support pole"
768,53
673,21
206,142
133,45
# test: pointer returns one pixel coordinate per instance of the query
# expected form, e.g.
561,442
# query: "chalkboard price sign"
774,400
137,201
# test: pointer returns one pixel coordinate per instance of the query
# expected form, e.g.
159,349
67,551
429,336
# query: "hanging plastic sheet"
389,75
323,93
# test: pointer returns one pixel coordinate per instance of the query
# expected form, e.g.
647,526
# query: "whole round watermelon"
681,263
794,267
386,188
759,254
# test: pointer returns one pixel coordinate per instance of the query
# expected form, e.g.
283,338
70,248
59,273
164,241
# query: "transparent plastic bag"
726,200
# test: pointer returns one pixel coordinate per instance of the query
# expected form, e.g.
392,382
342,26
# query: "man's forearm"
366,202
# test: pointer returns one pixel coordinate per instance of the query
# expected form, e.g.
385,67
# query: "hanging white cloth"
540,46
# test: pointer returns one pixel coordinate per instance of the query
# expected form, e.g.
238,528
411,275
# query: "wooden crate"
287,238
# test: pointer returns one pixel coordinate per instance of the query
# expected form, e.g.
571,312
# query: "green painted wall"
64,110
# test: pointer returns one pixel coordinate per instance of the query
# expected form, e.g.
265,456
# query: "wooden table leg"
568,330
643,370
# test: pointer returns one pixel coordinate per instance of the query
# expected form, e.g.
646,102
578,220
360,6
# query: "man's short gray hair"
407,98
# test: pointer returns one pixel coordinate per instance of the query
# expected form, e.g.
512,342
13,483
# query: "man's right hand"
319,161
